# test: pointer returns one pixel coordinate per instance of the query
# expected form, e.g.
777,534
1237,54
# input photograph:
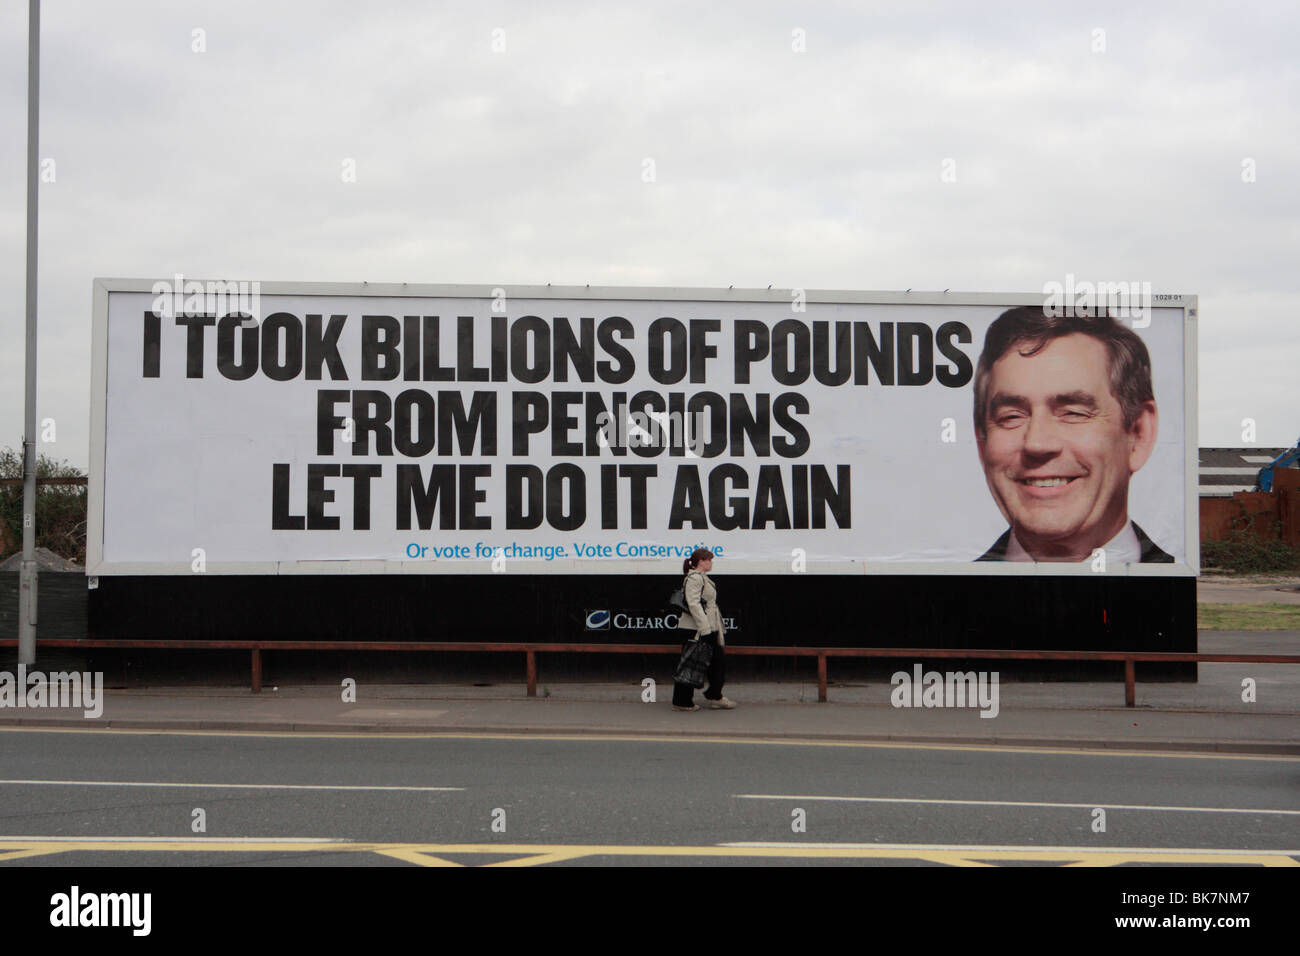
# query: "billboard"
291,428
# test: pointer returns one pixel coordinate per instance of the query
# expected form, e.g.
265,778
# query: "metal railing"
530,651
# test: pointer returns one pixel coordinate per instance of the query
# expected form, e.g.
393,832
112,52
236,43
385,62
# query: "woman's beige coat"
702,599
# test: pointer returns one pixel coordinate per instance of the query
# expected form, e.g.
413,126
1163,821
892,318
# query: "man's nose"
1042,434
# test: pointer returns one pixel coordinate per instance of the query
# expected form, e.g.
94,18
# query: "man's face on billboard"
1055,453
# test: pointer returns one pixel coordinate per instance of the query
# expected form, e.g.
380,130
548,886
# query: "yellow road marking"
416,856
434,854
552,857
954,859
146,845
18,854
651,738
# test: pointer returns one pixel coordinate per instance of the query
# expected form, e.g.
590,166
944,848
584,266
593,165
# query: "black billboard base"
1100,613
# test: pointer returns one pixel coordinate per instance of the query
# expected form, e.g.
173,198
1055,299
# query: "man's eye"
1076,413
1009,420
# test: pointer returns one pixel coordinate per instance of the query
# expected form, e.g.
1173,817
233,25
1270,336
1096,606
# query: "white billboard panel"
427,429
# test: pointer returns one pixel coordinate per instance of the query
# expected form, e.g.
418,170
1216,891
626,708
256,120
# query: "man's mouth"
1046,482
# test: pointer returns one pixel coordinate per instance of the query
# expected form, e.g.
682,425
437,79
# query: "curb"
1249,747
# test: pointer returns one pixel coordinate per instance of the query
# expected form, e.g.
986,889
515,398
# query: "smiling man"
1064,416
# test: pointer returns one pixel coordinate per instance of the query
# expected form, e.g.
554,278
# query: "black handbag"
693,668
678,598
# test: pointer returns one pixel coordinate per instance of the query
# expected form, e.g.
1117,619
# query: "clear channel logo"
622,621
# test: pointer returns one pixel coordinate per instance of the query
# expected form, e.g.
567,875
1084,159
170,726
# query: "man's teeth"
1046,482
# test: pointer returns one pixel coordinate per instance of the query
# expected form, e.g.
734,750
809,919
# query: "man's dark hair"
1029,329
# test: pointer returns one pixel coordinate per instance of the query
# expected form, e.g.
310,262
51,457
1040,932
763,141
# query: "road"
70,798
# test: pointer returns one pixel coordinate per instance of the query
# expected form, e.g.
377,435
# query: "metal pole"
27,570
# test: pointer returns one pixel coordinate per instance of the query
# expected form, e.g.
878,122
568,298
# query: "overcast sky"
1100,140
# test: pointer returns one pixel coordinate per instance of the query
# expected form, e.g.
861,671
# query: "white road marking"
1008,803
208,786
158,839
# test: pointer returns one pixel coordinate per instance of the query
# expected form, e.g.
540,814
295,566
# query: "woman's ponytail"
698,555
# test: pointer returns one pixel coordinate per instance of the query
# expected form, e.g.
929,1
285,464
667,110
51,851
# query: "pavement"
1208,715
1248,590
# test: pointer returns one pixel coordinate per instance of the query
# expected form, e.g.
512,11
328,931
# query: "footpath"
1207,716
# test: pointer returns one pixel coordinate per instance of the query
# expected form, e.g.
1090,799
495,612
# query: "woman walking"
706,621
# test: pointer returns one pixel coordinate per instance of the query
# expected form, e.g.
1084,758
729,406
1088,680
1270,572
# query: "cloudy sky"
505,143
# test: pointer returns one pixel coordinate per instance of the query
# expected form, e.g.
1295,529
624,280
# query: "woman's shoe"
690,708
721,704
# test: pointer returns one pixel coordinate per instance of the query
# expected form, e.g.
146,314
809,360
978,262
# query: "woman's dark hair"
698,555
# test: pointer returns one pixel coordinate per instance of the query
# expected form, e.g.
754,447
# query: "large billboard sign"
316,428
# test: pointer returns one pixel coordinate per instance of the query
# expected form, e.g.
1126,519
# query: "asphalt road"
119,798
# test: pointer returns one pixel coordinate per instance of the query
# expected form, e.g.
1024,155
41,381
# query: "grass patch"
1248,617
1244,552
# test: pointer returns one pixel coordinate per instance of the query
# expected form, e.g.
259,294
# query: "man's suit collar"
1151,552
